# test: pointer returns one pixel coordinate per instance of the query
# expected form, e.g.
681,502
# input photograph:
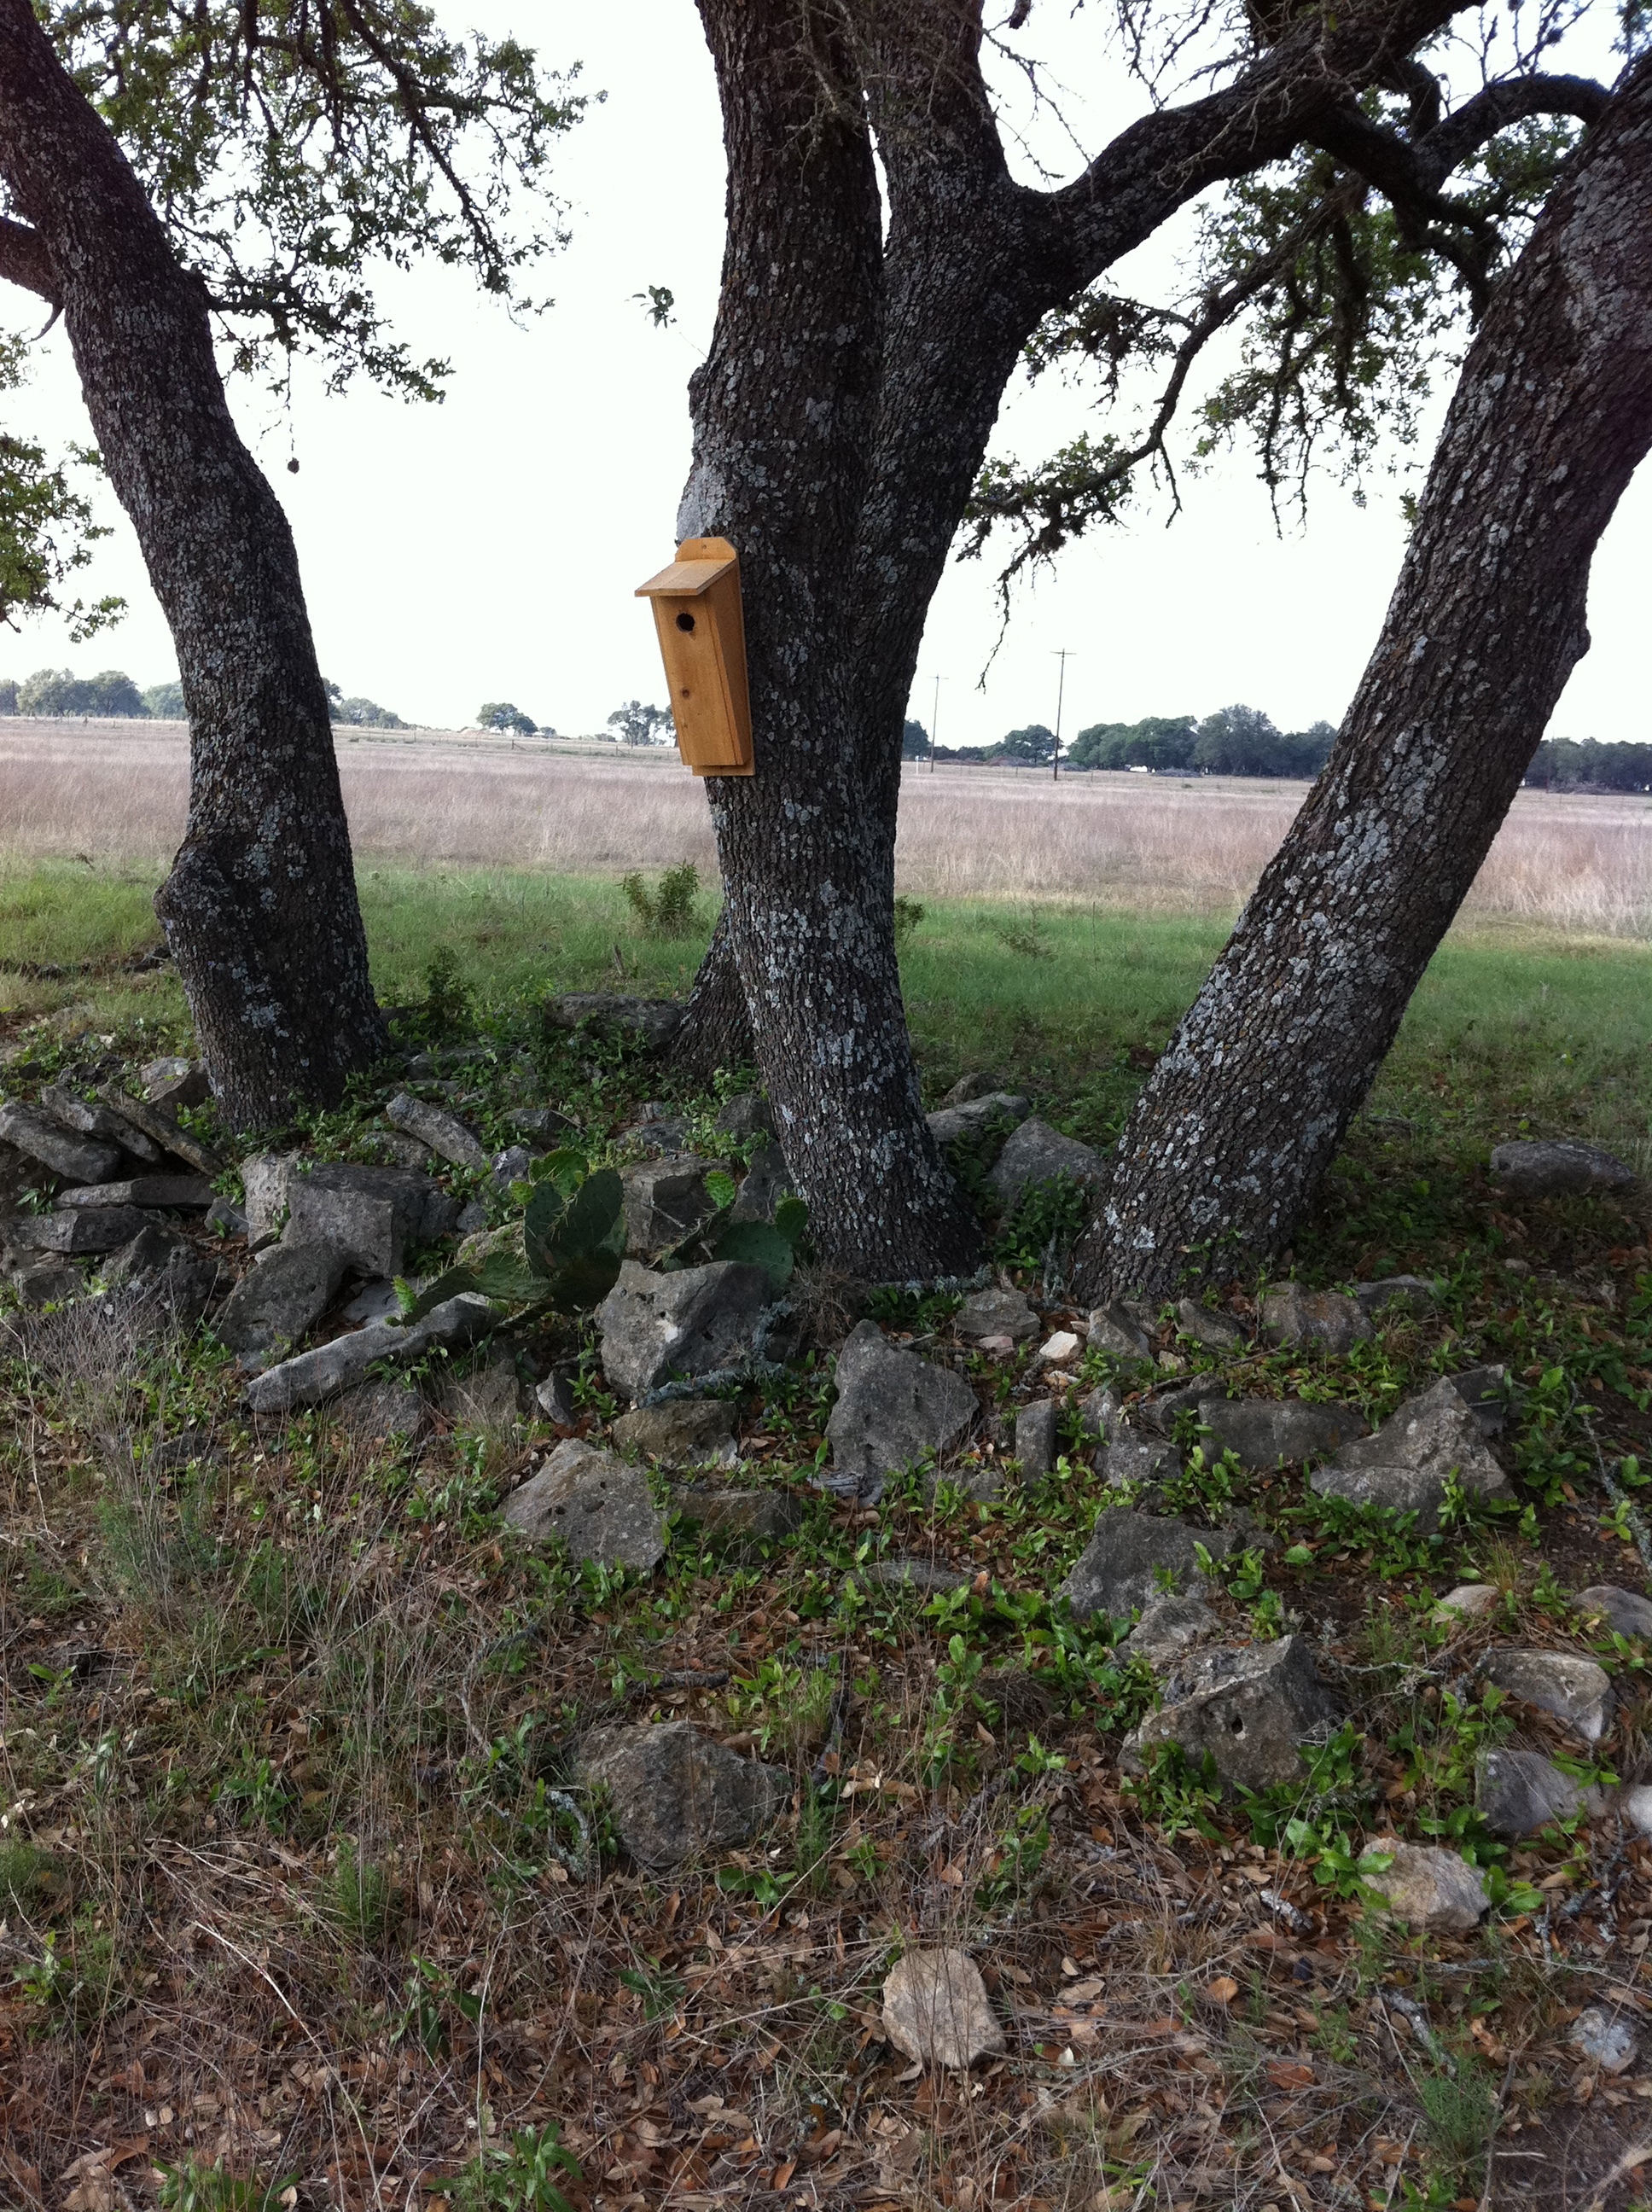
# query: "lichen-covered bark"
716,1032
840,422
260,909
1233,1132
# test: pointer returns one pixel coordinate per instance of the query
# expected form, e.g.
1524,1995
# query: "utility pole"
935,722
1060,694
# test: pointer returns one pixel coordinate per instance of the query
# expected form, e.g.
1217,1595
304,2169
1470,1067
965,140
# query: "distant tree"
1158,741
8,695
164,701
500,715
914,742
637,725
361,714
60,691
1236,741
1034,745
1586,764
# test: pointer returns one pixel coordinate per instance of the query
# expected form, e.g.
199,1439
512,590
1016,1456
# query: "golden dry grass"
1155,844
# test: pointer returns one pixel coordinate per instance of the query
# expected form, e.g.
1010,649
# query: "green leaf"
722,1187
567,1168
761,1245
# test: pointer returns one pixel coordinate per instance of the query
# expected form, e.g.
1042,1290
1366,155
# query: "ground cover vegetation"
309,1899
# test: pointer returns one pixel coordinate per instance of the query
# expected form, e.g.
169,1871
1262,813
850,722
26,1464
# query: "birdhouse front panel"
701,632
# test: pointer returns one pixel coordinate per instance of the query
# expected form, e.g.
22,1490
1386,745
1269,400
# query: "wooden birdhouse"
696,603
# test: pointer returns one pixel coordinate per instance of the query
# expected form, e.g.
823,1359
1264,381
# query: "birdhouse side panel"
708,731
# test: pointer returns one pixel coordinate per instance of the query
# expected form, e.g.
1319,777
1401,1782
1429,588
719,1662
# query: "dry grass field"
1151,844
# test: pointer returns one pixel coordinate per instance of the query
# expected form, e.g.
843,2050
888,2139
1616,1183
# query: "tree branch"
1478,120
24,260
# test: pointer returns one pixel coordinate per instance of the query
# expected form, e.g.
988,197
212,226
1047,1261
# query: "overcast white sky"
487,549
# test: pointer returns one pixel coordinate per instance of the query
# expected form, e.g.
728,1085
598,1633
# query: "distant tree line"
1586,764
1233,741
59,691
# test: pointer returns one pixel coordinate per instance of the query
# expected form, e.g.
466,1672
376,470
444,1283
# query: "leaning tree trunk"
1228,1141
260,909
716,1032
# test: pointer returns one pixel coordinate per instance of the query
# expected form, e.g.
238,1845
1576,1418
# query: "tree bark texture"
1234,1130
260,909
716,1032
840,422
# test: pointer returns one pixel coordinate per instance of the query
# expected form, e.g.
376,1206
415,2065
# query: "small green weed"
669,911
192,2187
520,2177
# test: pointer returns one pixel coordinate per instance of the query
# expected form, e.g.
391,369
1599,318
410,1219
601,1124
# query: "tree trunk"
1228,1141
260,909
716,1032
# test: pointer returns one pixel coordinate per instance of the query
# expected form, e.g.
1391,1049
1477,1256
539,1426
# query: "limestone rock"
170,1081
1114,1329
279,1301
682,1432
963,1117
264,1187
543,1125
649,1022
1557,1167
1432,1890
1412,1293
665,1200
766,1182
165,1270
675,1794
1486,1391
754,1516
380,1412
748,1115
995,1313
1217,1332
1167,1627
448,1137
180,1192
77,1230
314,1377
936,2011
1294,1316
894,1408
1469,1600
491,1396
1035,1438
1250,1707
1101,1418
927,1576
509,1167
1628,1611
45,1283
76,1159
1059,1347
655,1326
1262,1432
1037,1153
1406,1464
1574,1689
96,1120
1124,1565
367,1233
1138,1460
1518,1792
600,1507
1606,2041
555,1399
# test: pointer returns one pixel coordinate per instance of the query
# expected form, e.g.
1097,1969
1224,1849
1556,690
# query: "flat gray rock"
96,1120
1406,1464
380,1412
172,1081
1486,1391
449,1138
279,1301
1249,1707
599,1507
1574,1689
1037,1153
1035,1438
1125,1565
1217,1332
651,1022
165,1270
76,1159
316,1375
894,1408
675,1794
753,1516
1262,1432
995,1313
1518,1792
367,1233
1628,1611
1293,1315
79,1231
491,1396
655,1327
1553,1167
1429,1888
665,1199
766,1182
1604,2040
928,1576
179,1192
543,1125
1138,1460
1167,1628
45,1283
1115,1328
964,1117
264,1191
682,1432
748,1115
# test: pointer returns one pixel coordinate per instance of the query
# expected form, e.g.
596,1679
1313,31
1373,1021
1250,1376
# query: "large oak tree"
184,175
883,273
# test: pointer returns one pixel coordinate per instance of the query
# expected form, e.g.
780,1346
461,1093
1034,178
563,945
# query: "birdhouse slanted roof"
685,579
